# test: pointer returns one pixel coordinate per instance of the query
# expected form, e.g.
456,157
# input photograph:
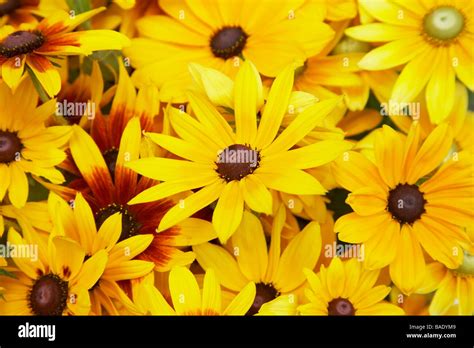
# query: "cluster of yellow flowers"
236,157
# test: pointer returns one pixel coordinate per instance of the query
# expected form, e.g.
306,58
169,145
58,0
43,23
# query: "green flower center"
467,267
8,7
49,295
443,23
265,293
340,307
10,146
130,225
350,45
21,42
236,162
228,42
406,203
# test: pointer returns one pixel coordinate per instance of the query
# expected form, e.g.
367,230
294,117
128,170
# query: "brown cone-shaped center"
406,203
110,157
228,42
340,306
21,42
8,7
130,226
48,295
265,293
237,161
10,146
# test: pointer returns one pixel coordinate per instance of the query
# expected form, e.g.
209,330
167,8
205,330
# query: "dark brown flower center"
110,157
406,203
228,42
340,306
265,293
10,146
8,7
21,42
237,161
49,295
130,226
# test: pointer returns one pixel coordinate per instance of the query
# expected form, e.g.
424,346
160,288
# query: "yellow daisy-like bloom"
36,46
237,167
417,32
57,283
400,206
454,287
188,299
219,33
15,12
345,289
26,145
460,119
277,271
79,224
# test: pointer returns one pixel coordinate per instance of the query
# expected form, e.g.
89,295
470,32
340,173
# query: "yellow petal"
408,268
247,89
275,108
191,204
242,302
12,70
250,247
302,252
256,195
211,294
67,257
184,291
228,212
92,270
226,268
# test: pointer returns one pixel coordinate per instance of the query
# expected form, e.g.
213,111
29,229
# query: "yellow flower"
345,289
417,32
460,119
398,208
37,46
188,299
78,223
56,283
26,145
277,271
454,287
15,12
219,33
237,167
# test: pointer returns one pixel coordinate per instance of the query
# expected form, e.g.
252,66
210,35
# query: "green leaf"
6,273
39,88
81,6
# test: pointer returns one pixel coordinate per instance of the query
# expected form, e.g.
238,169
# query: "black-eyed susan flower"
460,119
344,289
218,34
15,12
26,144
276,271
78,223
416,32
454,287
408,200
37,46
237,168
56,283
187,297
